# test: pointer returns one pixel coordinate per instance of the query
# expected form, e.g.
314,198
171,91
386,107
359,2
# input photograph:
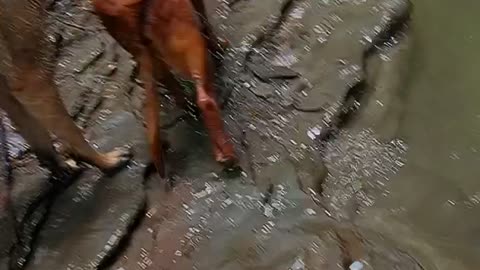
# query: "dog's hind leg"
184,49
151,109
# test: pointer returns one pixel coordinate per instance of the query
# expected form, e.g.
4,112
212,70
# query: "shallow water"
434,207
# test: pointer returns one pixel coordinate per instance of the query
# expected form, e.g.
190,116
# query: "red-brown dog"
165,36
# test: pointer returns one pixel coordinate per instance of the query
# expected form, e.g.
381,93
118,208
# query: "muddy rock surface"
301,84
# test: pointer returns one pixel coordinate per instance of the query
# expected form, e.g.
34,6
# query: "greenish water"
434,206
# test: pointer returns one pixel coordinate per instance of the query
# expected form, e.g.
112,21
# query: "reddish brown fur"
166,37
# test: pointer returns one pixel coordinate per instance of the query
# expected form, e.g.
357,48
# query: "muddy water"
433,207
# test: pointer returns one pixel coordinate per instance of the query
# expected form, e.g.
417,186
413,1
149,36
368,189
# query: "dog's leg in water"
30,128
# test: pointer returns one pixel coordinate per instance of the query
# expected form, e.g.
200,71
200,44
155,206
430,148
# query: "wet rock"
359,167
30,198
7,220
275,135
263,90
164,222
268,73
25,190
382,105
85,240
311,174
